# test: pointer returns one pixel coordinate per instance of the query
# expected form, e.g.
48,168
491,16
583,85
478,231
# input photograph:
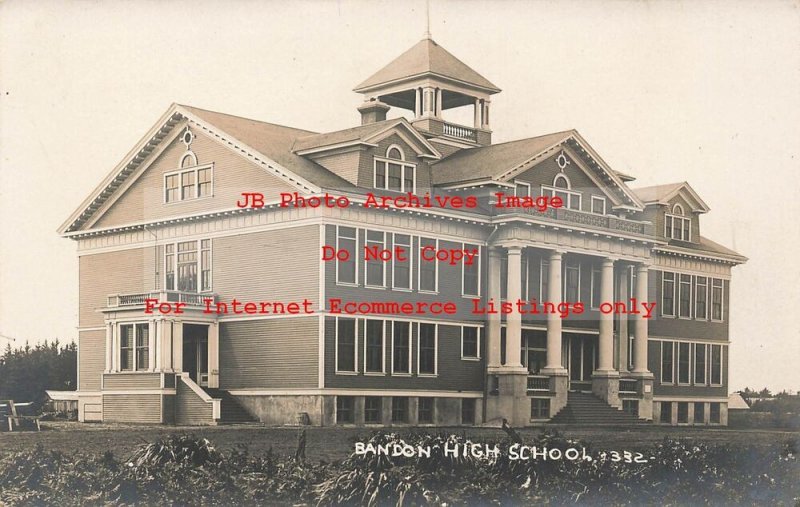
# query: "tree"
26,372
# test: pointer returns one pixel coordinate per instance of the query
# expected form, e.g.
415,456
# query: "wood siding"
269,353
190,409
126,381
91,359
132,408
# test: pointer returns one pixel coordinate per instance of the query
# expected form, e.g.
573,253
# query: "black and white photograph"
410,253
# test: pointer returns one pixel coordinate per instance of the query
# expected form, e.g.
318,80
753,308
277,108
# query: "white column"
640,323
109,347
438,103
165,345
485,115
115,348
151,345
493,295
554,319
514,319
606,350
213,355
159,362
177,345
624,279
477,113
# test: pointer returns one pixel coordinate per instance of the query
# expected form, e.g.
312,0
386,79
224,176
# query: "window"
188,184
700,363
470,342
540,408
666,412
372,409
683,362
572,282
393,173
426,349
523,287
667,362
701,297
504,275
668,294
685,297
683,412
468,411
598,205
183,259
699,412
470,274
134,347
401,263
344,409
399,409
716,365
373,347
375,265
631,407
677,226
425,411
401,347
522,189
346,271
561,188
346,358
595,303
716,299
715,413
544,278
428,269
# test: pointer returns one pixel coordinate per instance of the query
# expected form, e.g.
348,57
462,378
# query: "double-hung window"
394,173
401,347
716,365
470,342
187,266
716,299
346,351
676,226
134,347
700,363
668,294
188,184
701,297
598,205
346,240
376,266
471,273
667,362
684,358
685,297
374,343
428,266
426,349
572,282
401,262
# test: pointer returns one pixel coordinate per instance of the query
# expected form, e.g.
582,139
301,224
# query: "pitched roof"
426,57
704,245
661,194
487,162
273,141
359,133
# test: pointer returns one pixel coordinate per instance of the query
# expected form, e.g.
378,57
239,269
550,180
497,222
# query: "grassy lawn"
331,444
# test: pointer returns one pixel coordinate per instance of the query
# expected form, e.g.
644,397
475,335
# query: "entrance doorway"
195,353
582,361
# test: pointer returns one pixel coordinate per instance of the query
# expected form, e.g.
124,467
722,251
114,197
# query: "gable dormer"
675,210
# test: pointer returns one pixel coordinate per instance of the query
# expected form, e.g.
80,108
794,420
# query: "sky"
706,92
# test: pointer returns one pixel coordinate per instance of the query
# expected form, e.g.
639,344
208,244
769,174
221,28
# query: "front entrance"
195,352
582,361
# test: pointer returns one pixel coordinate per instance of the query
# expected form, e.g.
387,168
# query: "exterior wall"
91,359
688,328
454,373
90,408
282,410
190,409
269,353
138,408
691,390
260,265
232,175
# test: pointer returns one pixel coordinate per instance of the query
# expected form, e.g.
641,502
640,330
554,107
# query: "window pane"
685,296
346,344
204,182
575,201
374,337
427,349
666,362
683,363
380,174
402,268
126,342
394,177
408,178
372,410
668,294
346,270
668,226
344,409
523,190
716,364
399,409
172,188
401,347
469,341
428,270
686,224
142,346
187,185
425,410
700,363
471,274
716,299
375,265
572,277
700,303
187,266
468,411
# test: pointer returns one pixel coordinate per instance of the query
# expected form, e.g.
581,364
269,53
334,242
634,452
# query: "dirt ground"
336,443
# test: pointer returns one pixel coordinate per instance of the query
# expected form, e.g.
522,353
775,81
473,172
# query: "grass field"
331,444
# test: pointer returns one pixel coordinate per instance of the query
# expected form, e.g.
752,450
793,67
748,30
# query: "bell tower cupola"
428,80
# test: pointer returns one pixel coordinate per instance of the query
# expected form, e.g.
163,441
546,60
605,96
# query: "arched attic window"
677,210
677,225
393,173
562,188
189,159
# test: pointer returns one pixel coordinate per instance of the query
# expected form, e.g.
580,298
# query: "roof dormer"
427,80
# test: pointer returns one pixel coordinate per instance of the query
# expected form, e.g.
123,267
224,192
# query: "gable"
142,198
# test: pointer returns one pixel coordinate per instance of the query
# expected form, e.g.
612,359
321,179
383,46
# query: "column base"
559,371
510,401
605,385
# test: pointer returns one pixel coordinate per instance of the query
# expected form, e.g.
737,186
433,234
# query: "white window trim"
403,166
518,184
674,301
601,199
694,364
410,255
680,283
661,358
435,267
196,169
695,292
410,350
549,191
567,265
471,358
688,365
721,365
476,260
383,348
721,303
680,219
355,254
199,265
118,346
355,347
435,350
366,265
398,148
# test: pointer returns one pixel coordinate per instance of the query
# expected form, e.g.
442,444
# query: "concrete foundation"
511,400
605,385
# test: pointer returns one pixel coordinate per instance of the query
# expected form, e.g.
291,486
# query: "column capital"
557,253
609,261
515,249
